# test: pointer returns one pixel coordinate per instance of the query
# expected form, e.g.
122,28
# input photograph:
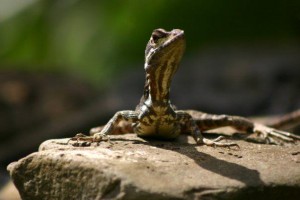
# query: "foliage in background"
96,39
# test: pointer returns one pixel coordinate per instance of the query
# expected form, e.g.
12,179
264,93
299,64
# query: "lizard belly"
160,128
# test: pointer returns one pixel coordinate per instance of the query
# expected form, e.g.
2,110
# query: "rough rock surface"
133,168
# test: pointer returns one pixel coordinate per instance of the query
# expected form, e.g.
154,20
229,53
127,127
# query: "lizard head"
162,56
164,45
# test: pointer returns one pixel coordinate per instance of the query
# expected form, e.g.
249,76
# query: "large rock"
132,168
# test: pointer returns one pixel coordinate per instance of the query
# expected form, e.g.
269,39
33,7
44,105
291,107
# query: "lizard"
155,115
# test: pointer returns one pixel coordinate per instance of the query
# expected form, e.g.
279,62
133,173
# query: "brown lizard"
155,116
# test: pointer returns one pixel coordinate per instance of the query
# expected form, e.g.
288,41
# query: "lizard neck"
159,81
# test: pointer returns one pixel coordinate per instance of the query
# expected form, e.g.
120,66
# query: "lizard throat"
160,81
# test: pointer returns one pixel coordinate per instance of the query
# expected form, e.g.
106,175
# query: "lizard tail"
290,121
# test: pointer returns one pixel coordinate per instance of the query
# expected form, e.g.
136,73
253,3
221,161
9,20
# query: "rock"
130,167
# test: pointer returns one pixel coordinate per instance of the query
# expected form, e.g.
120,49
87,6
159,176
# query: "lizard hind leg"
266,134
273,136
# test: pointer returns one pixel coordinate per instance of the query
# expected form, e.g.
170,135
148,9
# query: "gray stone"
133,168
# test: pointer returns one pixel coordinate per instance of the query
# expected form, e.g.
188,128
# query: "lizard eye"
158,34
155,38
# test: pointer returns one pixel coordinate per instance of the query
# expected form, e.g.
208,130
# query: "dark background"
66,66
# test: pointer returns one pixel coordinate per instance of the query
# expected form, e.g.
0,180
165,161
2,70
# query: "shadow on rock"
249,177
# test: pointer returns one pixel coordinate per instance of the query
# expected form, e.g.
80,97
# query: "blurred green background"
97,39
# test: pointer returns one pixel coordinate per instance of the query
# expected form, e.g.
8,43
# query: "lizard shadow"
231,170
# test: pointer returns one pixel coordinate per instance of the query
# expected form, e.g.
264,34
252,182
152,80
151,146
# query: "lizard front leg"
120,128
126,116
187,121
269,135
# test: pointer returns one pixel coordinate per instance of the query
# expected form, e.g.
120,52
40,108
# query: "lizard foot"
273,136
216,143
87,140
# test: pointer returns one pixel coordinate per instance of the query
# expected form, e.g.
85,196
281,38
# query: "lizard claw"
216,143
273,136
87,140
